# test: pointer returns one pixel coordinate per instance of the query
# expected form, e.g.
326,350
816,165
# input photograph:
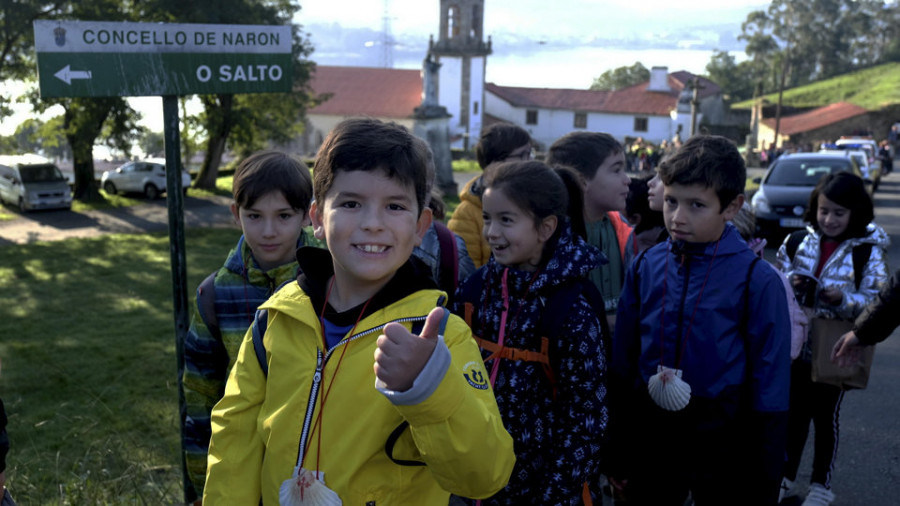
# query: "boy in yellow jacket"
351,383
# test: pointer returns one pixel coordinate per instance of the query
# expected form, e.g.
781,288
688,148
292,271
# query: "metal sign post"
104,58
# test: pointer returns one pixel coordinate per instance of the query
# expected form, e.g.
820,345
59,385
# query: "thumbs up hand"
401,355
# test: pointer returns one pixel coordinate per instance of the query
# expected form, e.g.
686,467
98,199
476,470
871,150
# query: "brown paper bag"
823,334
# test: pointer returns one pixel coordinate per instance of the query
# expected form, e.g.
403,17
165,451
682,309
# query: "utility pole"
695,103
387,42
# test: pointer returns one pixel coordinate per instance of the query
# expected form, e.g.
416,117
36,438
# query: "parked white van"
33,182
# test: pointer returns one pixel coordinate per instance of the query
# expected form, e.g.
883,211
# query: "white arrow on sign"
66,74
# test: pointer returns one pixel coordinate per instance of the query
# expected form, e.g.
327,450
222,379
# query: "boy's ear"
235,213
547,227
732,208
315,217
423,224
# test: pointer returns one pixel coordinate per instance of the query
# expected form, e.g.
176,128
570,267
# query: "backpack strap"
793,243
398,431
861,254
449,268
206,304
258,330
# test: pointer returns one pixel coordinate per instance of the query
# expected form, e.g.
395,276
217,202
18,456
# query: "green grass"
465,166
89,366
871,88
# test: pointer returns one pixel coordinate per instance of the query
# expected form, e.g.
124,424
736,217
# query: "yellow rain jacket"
457,431
468,223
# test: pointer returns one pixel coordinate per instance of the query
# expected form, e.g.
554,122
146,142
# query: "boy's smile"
371,225
691,212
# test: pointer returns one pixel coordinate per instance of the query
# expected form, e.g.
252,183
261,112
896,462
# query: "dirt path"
207,211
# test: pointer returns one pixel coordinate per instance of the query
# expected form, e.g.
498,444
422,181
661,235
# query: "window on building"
640,124
580,120
531,117
475,107
476,20
452,21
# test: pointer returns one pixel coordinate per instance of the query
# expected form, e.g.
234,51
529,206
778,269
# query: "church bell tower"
462,53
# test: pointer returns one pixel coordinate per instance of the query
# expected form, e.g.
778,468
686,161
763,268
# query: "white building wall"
476,95
450,89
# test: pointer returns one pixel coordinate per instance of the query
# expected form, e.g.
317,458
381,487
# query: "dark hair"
369,145
267,171
846,190
583,151
498,141
709,160
560,191
637,202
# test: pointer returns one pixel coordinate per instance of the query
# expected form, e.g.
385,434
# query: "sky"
537,43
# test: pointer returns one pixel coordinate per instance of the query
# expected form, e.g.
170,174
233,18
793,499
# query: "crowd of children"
601,329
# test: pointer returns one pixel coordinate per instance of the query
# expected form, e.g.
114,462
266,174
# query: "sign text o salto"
235,73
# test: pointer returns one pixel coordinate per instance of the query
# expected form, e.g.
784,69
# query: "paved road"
211,211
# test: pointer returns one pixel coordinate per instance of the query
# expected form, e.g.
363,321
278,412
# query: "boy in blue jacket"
701,363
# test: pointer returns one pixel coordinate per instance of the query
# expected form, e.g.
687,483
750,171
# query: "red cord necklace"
318,422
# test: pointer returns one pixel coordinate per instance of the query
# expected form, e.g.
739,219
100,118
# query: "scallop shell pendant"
668,390
307,488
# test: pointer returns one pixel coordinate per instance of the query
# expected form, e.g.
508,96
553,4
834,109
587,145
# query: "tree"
152,143
735,79
17,39
245,122
621,77
86,119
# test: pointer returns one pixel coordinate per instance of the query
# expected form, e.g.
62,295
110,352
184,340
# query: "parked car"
146,176
33,182
872,168
783,195
870,174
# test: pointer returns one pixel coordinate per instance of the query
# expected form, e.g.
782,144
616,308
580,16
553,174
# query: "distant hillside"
872,88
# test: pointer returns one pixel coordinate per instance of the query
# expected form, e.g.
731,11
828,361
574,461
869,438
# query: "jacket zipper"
321,360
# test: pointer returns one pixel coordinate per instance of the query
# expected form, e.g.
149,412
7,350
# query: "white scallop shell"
668,390
305,489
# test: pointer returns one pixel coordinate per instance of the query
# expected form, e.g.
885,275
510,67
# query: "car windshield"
804,172
46,173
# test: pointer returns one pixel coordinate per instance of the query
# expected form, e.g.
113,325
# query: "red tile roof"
632,100
815,119
367,91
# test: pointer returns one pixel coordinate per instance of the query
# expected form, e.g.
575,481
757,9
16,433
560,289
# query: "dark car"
780,202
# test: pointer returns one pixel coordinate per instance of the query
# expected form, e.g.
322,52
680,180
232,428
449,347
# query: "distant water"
574,67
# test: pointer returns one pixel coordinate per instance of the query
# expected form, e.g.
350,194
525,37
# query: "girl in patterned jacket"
840,213
536,317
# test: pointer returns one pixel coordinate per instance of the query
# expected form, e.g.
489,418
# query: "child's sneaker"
818,496
785,490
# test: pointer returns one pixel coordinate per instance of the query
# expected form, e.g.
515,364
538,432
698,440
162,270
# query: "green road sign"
103,59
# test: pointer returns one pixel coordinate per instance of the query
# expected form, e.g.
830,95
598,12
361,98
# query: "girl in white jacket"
840,213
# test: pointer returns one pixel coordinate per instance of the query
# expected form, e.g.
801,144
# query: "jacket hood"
875,235
572,258
241,262
472,191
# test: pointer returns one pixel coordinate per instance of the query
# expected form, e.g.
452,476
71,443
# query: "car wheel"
109,188
151,192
